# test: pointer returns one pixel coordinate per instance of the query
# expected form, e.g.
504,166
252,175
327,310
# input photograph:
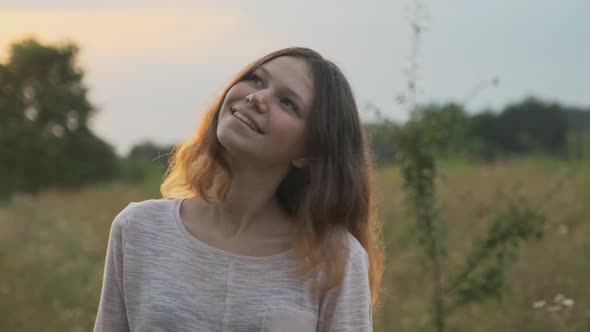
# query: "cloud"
125,33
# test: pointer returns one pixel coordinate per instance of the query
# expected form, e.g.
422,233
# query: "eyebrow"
289,90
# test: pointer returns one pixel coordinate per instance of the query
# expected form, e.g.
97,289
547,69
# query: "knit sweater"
158,277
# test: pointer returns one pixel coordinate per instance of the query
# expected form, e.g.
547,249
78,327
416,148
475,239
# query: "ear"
299,162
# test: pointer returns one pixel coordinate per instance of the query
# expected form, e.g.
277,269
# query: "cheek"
238,91
290,133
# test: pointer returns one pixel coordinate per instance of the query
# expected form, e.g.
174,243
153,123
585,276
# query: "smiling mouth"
245,119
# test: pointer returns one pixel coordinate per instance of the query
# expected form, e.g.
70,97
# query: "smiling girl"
267,220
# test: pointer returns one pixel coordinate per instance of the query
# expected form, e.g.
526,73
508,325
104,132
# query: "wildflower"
558,298
568,303
538,304
552,308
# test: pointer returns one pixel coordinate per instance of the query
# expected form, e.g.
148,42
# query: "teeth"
247,121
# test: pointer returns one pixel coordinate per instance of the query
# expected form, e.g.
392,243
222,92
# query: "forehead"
294,74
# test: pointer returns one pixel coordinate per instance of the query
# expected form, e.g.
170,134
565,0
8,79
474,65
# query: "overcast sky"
153,66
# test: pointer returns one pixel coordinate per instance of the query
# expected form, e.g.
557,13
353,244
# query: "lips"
246,119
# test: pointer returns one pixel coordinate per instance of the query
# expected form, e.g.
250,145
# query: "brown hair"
332,194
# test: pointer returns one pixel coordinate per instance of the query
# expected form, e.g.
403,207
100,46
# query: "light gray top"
158,277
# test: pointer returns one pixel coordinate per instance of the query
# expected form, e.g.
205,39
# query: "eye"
255,80
289,103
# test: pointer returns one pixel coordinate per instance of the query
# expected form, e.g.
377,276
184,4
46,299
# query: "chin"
233,144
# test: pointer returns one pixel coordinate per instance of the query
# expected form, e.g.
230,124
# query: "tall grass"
558,264
52,249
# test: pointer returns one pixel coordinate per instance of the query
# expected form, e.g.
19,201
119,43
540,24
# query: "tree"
145,159
44,113
534,126
450,124
579,131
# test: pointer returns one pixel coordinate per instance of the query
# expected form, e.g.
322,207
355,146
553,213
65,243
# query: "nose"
258,100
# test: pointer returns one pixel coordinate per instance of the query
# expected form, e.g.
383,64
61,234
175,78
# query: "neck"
251,205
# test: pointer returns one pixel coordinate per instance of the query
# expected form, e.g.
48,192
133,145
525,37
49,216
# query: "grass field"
52,249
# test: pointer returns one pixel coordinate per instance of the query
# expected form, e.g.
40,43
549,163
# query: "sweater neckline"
194,242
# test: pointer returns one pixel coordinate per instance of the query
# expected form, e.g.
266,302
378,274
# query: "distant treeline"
530,126
45,139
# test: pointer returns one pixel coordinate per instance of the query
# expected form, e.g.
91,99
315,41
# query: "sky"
154,66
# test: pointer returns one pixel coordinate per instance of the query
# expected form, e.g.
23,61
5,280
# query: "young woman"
267,221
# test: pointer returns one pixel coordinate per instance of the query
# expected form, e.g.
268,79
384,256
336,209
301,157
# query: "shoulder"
150,207
146,212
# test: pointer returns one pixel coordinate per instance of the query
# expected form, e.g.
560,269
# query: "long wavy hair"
330,195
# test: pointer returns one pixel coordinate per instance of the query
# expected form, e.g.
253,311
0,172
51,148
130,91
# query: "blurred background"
478,113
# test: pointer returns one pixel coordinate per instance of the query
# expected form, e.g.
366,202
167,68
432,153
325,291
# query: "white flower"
568,303
558,298
552,308
538,304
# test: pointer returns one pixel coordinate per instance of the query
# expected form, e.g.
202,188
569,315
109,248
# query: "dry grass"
557,264
52,250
